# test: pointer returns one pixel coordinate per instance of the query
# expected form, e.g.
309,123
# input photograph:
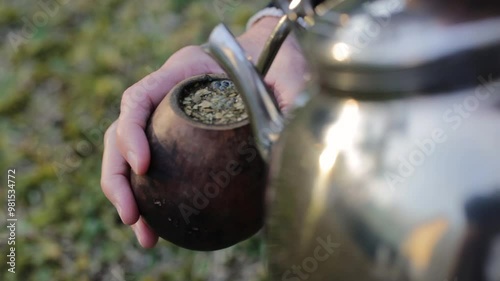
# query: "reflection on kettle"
483,228
392,166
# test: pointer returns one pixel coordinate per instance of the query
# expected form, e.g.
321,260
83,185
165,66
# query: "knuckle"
110,131
106,187
127,99
186,53
136,97
190,49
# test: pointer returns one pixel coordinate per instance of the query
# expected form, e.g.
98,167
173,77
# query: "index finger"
142,98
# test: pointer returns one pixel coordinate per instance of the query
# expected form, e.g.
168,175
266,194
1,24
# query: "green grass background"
59,91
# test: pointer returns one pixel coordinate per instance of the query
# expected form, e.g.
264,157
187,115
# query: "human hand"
125,142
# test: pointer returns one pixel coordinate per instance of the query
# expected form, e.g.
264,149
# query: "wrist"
258,34
269,12
265,23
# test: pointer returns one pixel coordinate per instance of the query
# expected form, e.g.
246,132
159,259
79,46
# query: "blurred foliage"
63,68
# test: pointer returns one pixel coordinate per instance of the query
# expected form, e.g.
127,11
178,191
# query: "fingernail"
132,160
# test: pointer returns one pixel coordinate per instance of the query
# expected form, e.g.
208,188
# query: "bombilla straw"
273,44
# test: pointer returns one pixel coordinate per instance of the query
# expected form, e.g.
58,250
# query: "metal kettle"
391,170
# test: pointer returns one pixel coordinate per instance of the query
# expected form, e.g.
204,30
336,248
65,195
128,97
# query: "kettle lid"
387,48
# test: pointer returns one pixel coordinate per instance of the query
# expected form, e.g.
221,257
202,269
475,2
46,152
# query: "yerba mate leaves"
217,103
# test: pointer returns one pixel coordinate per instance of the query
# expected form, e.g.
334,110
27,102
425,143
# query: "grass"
62,73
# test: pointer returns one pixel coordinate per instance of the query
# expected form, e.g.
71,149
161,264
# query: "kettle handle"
265,116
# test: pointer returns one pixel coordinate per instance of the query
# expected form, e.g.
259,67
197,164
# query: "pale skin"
125,143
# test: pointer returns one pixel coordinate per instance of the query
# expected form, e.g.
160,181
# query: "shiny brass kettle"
391,169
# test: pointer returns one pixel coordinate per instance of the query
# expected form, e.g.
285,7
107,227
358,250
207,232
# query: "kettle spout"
265,116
